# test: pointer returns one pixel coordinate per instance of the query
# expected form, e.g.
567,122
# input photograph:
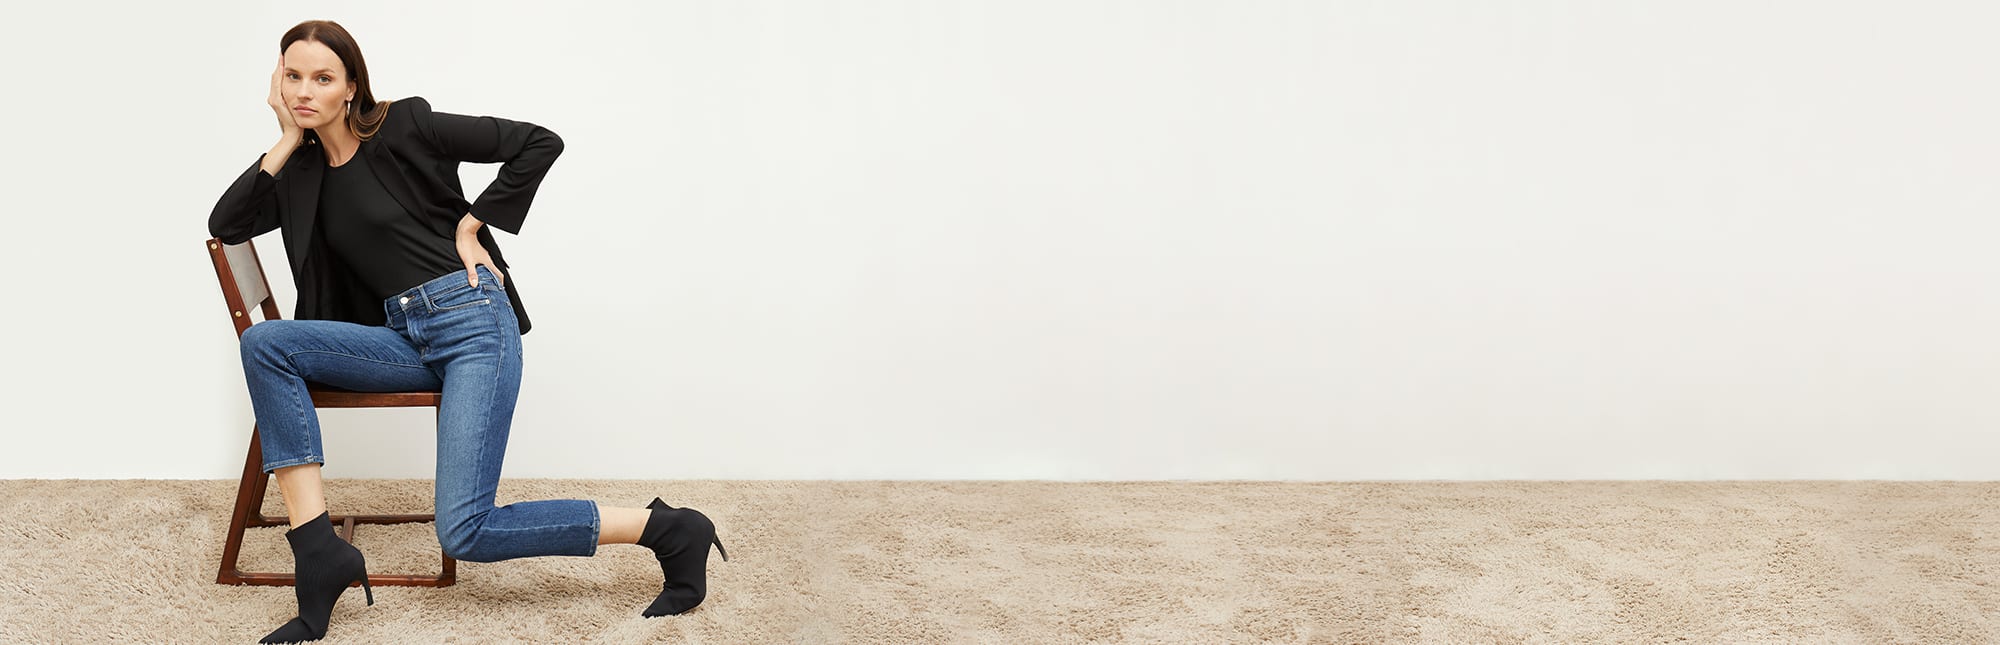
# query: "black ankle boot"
679,537
325,566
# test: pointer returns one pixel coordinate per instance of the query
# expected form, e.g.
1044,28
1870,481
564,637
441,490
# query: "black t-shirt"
383,245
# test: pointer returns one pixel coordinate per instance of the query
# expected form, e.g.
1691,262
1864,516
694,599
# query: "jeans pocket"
493,288
461,298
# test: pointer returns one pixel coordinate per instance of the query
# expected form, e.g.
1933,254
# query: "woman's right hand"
288,127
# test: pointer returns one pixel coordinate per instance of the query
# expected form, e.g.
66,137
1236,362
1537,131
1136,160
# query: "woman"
401,288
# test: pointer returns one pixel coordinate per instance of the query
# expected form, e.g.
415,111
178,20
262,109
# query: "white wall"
1083,240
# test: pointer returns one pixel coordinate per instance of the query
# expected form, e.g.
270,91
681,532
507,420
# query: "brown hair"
364,114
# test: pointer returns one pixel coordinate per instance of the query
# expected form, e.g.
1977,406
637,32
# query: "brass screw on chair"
239,314
212,245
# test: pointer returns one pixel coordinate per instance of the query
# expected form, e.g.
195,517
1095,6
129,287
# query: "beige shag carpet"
1052,562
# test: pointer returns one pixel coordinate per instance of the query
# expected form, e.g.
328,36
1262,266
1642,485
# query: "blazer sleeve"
249,207
526,150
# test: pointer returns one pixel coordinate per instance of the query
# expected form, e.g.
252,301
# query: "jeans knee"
454,547
458,545
263,341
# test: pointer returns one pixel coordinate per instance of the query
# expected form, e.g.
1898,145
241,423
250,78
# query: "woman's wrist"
469,225
274,160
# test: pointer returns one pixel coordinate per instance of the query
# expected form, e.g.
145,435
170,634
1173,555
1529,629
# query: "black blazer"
416,155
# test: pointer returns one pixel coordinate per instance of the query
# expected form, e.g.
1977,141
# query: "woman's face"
315,84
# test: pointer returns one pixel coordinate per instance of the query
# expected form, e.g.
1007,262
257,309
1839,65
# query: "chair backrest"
243,285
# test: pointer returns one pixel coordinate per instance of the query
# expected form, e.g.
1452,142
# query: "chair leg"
249,513
249,500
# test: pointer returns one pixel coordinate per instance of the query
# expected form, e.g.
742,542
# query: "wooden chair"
245,289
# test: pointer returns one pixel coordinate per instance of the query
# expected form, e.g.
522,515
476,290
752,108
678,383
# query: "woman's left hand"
473,254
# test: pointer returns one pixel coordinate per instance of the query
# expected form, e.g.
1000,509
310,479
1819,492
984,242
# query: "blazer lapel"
389,172
305,203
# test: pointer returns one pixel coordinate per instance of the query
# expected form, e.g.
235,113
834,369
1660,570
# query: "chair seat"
327,396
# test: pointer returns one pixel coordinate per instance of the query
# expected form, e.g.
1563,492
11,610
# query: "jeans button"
406,300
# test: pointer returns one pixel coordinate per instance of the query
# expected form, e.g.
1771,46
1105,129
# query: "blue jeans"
441,335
